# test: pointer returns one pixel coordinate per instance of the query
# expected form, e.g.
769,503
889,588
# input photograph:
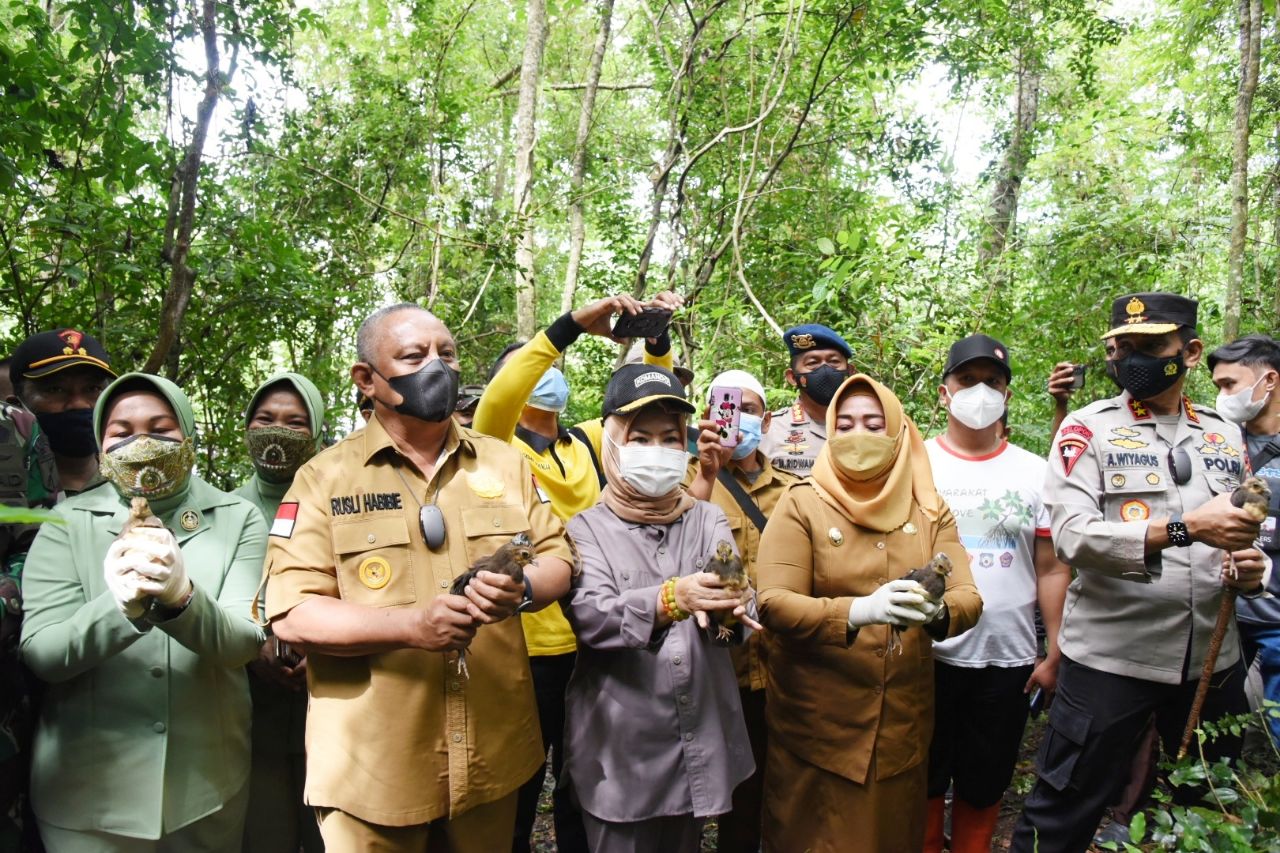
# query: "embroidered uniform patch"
1069,451
1134,510
286,517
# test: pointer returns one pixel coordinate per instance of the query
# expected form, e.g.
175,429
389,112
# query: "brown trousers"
808,808
485,829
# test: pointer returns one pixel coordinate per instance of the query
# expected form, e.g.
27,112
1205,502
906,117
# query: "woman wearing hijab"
654,738
143,737
284,428
850,711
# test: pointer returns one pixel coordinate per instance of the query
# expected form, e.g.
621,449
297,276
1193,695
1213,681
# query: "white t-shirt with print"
997,502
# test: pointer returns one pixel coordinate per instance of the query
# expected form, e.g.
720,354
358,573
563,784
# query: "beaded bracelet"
668,598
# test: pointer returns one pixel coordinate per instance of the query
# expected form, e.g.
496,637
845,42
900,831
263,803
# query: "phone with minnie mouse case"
726,411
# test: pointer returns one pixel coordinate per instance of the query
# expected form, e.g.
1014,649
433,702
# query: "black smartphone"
649,323
1037,701
1077,377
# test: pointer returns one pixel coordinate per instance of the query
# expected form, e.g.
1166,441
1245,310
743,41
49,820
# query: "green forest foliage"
795,153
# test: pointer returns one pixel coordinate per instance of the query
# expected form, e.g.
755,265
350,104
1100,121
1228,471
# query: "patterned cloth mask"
278,452
149,466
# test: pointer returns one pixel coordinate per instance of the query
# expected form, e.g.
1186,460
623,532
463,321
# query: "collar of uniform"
376,439
1141,413
104,500
766,474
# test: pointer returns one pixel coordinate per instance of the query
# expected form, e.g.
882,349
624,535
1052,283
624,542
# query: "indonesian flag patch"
1070,450
286,517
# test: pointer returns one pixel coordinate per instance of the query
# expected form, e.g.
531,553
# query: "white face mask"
1241,408
978,406
652,471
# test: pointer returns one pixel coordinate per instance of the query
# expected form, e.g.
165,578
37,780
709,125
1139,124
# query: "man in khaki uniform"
819,364
758,487
1139,494
405,750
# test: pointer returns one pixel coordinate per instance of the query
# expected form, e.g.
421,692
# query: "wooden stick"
1226,612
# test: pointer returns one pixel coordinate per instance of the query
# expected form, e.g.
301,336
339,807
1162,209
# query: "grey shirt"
653,723
1109,472
1265,611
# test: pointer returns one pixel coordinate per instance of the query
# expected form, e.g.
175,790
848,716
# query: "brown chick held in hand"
1253,496
508,560
726,565
932,578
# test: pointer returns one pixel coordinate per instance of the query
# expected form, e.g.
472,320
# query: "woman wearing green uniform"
142,635
284,428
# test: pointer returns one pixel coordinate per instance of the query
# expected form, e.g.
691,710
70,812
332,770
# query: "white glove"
164,576
930,608
119,570
895,603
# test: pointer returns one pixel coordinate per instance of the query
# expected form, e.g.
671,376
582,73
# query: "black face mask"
822,383
70,432
430,394
1146,376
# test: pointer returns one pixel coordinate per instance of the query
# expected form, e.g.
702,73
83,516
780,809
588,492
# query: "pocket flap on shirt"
492,520
368,533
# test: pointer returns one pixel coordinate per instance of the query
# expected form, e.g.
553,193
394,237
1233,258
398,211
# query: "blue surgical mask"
551,394
749,429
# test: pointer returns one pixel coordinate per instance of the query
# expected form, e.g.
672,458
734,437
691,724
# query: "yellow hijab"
882,502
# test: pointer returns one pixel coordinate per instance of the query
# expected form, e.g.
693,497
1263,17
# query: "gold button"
880,652
372,538
877,690
453,685
457,738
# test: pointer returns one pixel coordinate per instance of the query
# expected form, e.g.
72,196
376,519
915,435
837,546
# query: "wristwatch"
528,596
1176,530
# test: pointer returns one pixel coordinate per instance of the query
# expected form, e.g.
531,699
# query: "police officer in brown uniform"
819,364
407,750
1139,494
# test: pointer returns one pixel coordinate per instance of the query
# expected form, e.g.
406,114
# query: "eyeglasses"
1180,465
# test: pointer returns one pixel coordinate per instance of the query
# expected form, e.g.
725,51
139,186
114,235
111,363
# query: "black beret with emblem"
1151,314
811,336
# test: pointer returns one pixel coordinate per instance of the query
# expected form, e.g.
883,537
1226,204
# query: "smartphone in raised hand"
726,411
649,323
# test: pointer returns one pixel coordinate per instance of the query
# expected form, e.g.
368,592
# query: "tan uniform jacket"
793,441
399,738
766,491
837,697
1109,472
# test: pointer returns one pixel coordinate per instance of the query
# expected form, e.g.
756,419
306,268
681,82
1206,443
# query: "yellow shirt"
749,658
565,470
398,738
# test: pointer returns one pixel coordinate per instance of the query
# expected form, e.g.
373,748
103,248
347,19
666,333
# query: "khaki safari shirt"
749,658
793,441
400,738
1128,613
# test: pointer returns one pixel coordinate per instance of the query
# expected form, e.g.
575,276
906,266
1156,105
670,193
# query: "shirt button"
880,545
457,738
880,652
453,685
626,576
677,660
662,549
157,672
158,728
444,584
688,736
372,538
876,690
497,522
684,700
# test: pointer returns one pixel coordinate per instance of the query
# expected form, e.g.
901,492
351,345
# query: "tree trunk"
181,221
1250,14
1002,211
526,116
577,225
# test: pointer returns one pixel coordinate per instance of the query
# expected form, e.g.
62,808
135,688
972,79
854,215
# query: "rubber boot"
972,828
933,825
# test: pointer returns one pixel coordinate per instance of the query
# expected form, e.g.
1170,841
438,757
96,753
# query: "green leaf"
825,246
